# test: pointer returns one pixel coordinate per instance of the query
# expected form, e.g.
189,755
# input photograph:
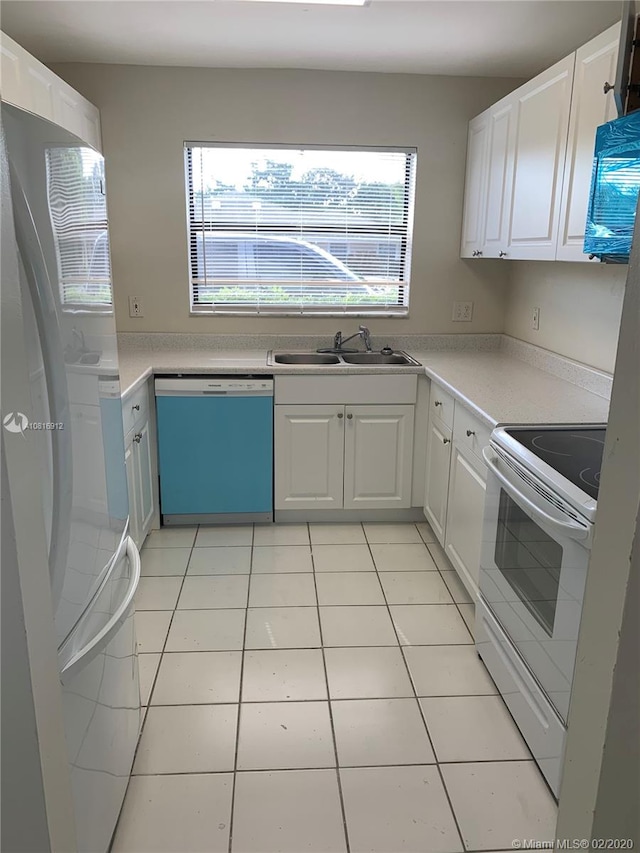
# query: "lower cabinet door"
467,487
309,451
437,477
142,481
130,465
378,456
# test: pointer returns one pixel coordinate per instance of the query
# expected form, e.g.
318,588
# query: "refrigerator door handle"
102,639
44,306
102,581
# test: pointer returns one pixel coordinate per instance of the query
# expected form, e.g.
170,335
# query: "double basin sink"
365,359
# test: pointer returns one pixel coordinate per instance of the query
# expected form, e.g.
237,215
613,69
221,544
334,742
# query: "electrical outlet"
462,312
135,307
535,319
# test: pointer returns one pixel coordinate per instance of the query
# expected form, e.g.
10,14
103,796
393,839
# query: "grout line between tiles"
337,767
244,641
153,684
457,603
414,695
424,720
333,730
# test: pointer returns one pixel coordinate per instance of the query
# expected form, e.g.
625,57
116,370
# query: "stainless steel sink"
379,358
79,357
302,358
365,359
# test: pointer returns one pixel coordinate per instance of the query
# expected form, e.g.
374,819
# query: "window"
78,212
291,230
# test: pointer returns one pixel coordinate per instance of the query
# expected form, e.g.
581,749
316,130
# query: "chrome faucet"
78,338
363,332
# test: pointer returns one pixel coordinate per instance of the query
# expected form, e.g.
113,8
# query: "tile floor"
315,688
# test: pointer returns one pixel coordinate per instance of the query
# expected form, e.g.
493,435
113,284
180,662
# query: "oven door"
533,568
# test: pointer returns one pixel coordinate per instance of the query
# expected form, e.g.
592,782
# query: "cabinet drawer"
442,404
135,408
469,431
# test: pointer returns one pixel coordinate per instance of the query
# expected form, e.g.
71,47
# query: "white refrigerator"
57,281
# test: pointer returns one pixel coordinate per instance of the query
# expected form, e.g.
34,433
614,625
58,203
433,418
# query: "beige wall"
148,112
580,307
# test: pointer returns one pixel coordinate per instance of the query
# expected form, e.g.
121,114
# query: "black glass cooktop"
574,452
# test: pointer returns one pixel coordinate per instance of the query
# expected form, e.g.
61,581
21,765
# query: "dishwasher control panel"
214,385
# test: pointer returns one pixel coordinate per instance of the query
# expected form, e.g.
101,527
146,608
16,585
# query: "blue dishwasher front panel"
215,455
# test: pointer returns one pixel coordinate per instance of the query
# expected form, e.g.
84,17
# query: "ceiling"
496,38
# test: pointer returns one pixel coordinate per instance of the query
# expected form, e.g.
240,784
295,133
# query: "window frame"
404,232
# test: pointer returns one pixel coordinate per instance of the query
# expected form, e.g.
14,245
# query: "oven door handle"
572,529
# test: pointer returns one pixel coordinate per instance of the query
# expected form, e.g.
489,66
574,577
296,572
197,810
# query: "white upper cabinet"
472,222
30,85
542,120
590,107
529,160
499,178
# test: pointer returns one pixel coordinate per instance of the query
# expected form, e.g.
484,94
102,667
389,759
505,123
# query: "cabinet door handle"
608,87
502,255
446,441
137,437
340,414
136,408
349,416
437,403
470,432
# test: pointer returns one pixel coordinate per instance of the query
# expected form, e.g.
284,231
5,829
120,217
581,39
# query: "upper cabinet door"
590,107
542,121
499,177
475,187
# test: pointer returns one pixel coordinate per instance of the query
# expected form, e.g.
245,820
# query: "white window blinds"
78,211
287,230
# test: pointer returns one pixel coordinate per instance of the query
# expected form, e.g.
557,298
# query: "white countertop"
494,385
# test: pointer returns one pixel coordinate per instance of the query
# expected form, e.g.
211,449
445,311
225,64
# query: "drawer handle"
437,403
446,441
137,437
349,416
470,432
340,415
136,408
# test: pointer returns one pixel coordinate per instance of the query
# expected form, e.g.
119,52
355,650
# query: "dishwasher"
215,449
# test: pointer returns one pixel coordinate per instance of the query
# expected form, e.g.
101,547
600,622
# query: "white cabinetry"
30,85
378,456
437,476
140,465
475,189
332,454
499,179
309,453
455,483
542,120
529,160
488,182
590,107
465,511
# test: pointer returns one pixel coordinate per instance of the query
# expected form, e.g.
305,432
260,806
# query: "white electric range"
540,509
